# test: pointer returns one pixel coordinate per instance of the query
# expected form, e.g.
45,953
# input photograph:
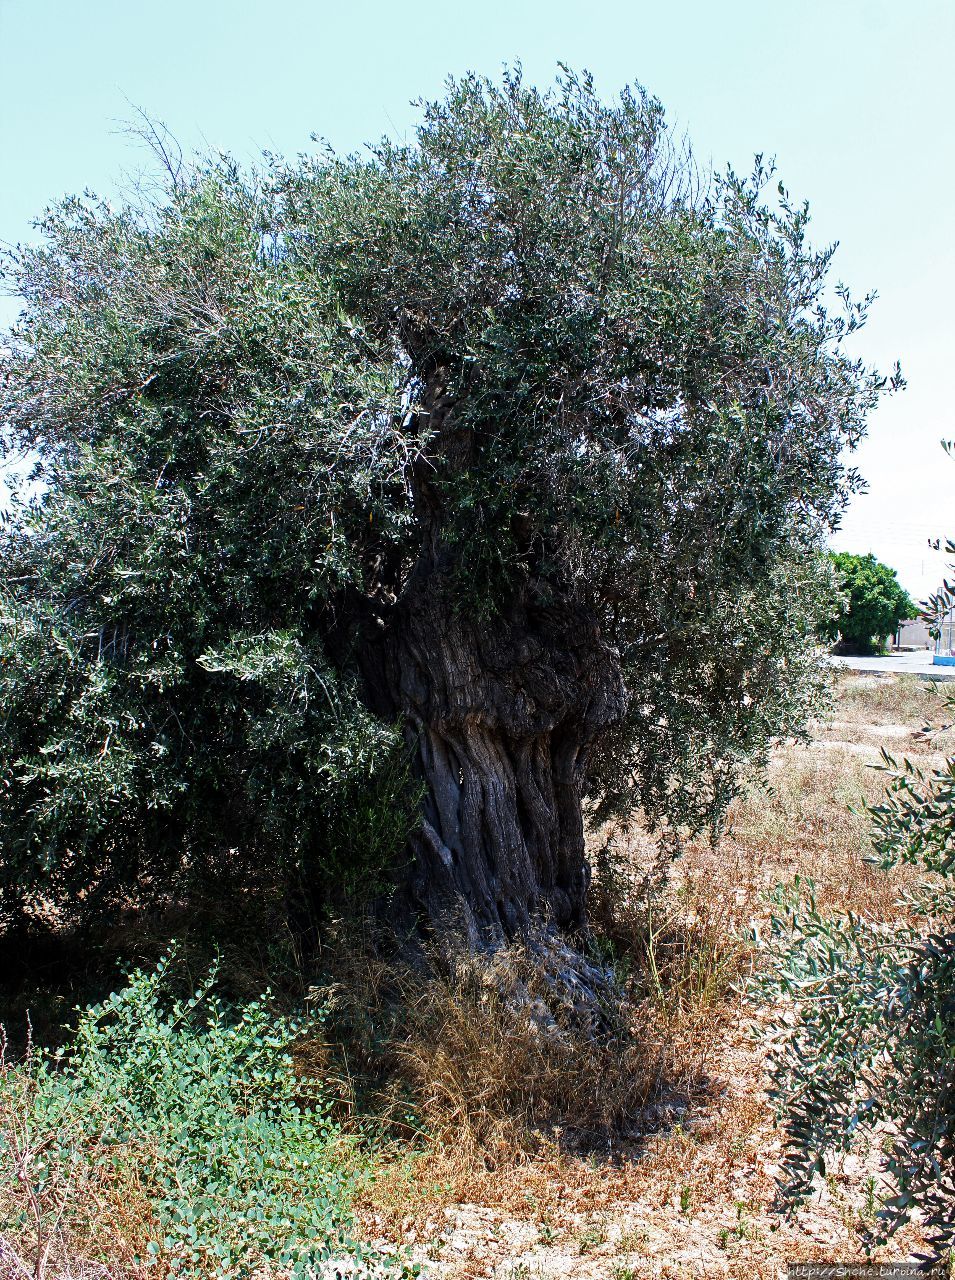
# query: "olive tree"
865,1048
399,509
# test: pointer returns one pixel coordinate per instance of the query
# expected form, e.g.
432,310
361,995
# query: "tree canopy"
874,602
425,494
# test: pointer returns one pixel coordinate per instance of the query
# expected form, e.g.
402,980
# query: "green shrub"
865,1043
240,1161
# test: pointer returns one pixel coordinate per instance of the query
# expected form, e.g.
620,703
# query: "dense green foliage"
867,1049
874,602
221,388
236,1156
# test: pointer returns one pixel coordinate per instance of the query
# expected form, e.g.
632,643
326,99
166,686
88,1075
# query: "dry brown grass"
515,1150
872,700
808,817
63,1216
485,1061
693,1193
487,1076
513,1121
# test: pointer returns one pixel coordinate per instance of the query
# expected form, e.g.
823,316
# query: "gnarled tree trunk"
503,714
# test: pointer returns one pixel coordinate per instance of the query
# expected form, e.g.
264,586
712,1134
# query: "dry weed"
503,1140
460,1051
881,699
525,1121
808,817
63,1216
695,1196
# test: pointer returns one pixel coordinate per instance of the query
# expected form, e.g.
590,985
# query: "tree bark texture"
502,714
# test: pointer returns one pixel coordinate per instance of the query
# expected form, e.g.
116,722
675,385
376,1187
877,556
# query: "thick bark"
503,714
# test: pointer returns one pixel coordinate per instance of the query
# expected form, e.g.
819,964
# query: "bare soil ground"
695,1197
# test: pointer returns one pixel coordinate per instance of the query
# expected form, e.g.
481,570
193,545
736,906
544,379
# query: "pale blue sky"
854,97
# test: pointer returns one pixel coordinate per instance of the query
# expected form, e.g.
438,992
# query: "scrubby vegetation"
422,560
440,1114
175,1134
868,1047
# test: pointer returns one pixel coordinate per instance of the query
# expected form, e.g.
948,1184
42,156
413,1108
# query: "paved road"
915,664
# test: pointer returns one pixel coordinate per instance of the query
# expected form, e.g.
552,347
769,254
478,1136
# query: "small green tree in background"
875,603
